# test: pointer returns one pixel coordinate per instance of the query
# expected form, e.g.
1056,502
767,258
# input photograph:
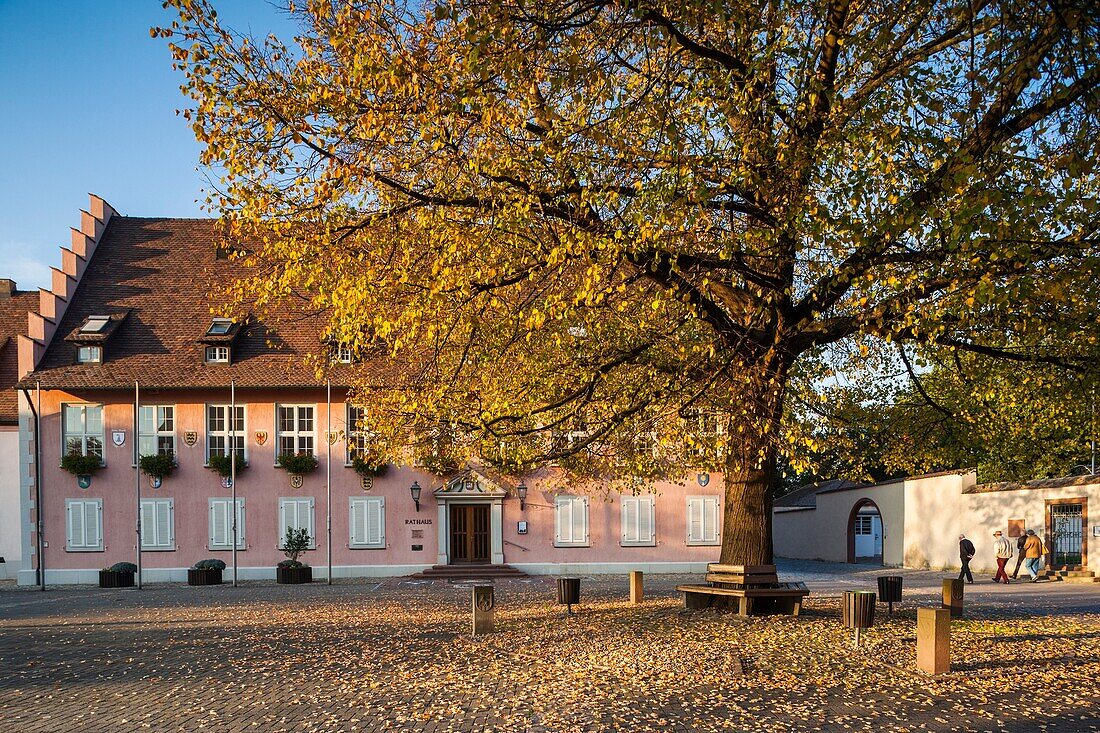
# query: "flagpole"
137,473
328,473
233,469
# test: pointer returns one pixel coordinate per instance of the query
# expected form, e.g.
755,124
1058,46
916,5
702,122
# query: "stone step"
1082,579
468,572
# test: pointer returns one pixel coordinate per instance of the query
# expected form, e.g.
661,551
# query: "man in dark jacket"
966,552
1020,551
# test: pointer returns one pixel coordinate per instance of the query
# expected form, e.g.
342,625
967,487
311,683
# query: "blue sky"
89,105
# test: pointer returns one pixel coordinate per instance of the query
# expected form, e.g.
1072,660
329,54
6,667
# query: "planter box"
205,576
111,579
293,576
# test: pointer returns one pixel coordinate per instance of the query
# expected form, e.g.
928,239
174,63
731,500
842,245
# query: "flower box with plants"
206,572
297,465
119,575
222,464
157,467
82,466
369,464
291,571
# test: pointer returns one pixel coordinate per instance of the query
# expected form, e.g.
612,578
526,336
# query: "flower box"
294,576
204,576
116,579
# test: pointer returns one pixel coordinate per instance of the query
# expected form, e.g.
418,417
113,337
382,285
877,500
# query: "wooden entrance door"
469,533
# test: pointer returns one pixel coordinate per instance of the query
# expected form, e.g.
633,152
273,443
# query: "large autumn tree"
624,235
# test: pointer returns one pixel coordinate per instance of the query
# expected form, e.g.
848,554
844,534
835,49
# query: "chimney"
7,287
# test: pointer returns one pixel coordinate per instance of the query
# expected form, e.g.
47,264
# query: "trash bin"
858,610
569,592
889,590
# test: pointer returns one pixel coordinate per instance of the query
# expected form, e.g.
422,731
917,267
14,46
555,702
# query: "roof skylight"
219,327
95,324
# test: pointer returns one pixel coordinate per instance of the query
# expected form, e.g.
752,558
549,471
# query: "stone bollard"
636,586
483,604
953,596
934,640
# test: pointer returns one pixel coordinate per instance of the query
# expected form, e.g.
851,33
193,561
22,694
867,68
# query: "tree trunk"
747,517
750,472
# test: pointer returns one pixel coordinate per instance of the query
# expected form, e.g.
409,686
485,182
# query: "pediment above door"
470,484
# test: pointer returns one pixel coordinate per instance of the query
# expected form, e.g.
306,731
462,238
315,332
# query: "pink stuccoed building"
122,358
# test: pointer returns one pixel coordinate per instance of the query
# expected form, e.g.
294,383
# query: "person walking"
1002,549
1033,553
966,552
1020,542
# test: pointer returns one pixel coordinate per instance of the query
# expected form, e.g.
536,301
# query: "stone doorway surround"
471,486
1048,528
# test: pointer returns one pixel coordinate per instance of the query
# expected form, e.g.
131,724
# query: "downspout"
40,559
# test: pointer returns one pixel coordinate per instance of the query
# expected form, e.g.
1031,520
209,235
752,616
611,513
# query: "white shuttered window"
84,525
638,521
221,524
702,520
296,513
571,521
157,524
368,522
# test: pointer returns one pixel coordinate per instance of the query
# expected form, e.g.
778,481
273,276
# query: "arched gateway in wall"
865,533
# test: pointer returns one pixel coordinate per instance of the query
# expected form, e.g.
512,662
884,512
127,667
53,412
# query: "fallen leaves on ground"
399,656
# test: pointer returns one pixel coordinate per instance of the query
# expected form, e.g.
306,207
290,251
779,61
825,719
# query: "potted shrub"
220,463
291,571
119,575
157,467
82,466
297,465
206,572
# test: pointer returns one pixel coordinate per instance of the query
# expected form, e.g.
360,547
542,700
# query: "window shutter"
710,519
307,507
148,521
71,524
580,519
565,519
358,522
164,523
645,521
240,525
630,519
284,518
695,520
217,523
376,521
92,518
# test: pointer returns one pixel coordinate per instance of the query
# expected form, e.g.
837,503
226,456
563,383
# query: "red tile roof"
13,322
164,272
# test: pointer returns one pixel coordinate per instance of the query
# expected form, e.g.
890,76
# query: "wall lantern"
415,491
521,492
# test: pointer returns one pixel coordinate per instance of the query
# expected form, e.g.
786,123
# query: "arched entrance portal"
865,532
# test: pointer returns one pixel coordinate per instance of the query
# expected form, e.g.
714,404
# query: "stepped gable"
158,278
15,304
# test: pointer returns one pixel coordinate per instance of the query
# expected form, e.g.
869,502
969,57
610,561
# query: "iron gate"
1066,534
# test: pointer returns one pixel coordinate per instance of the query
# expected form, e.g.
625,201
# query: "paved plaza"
397,655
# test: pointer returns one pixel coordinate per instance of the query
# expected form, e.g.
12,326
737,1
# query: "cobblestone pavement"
397,655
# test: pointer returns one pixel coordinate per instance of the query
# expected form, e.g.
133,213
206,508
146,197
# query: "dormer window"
90,338
89,355
219,327
217,354
343,354
218,340
95,324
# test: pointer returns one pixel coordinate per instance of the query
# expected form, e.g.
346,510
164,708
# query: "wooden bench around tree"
756,588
